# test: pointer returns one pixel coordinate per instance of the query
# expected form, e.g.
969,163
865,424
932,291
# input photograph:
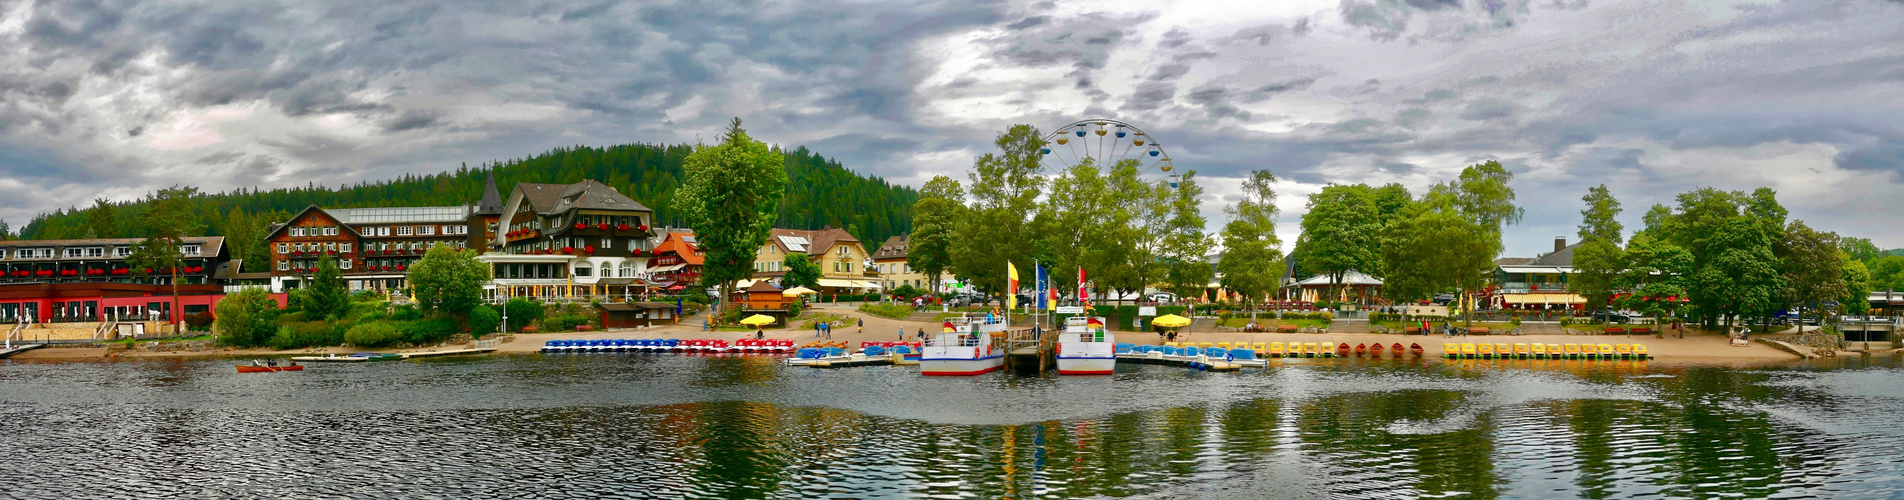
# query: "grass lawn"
894,311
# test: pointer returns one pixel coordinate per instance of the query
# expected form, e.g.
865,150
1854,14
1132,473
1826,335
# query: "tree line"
821,192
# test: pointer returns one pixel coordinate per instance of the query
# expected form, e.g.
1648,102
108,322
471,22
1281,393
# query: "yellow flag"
1011,297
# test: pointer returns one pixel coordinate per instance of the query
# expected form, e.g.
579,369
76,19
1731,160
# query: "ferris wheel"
1107,142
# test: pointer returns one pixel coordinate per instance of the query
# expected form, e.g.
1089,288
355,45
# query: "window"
284,265
3,253
343,264
330,247
297,231
426,230
383,231
284,248
331,230
120,252
842,250
581,270
608,270
297,247
343,247
628,269
405,230
75,252
189,250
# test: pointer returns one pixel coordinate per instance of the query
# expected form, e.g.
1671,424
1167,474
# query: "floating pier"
5,353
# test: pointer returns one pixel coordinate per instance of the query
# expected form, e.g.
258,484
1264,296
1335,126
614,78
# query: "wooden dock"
5,353
1023,346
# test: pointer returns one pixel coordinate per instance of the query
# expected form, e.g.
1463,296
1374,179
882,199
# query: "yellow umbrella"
757,320
798,290
1171,321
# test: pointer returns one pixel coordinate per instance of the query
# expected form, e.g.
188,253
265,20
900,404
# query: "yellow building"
845,266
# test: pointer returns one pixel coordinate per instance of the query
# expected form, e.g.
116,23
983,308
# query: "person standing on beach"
759,334
862,325
902,334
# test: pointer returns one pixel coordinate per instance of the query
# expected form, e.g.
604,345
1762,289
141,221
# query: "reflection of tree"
1350,437
740,449
729,371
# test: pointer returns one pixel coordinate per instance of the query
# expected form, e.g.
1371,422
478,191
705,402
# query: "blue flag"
1043,298
677,307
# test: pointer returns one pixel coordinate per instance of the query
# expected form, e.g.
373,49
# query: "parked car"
1614,317
1163,297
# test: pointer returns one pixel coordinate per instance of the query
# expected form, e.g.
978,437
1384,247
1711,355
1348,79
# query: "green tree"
1599,260
327,296
730,197
1483,194
941,205
167,219
1857,284
800,271
1251,264
244,235
1341,232
1859,249
448,280
1442,247
246,318
1004,186
1812,266
1732,238
1656,274
101,220
1185,244
483,320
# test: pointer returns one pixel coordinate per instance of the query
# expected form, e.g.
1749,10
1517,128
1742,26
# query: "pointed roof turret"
492,199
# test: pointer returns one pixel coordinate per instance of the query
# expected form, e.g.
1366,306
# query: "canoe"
1361,349
1412,348
259,369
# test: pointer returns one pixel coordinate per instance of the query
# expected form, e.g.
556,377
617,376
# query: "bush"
893,311
426,332
522,313
201,322
246,318
483,320
377,334
406,312
564,322
307,334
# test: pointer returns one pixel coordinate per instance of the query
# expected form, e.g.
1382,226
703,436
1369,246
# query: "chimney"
1560,242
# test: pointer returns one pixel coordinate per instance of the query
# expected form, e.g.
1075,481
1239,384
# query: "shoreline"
1697,348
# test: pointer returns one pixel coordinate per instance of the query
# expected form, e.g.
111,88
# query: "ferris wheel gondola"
1107,142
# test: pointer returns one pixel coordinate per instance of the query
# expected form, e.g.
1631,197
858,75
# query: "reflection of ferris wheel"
1107,142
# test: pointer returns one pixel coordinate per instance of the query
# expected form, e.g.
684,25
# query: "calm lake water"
641,426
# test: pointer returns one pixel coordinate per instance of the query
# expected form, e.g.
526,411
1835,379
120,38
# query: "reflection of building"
845,267
571,240
889,260
1537,283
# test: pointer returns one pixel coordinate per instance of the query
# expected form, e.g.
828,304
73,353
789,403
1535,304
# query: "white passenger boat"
1085,348
974,346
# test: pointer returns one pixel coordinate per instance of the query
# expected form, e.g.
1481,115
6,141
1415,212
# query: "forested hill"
821,192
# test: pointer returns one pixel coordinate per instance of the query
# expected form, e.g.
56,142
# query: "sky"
117,98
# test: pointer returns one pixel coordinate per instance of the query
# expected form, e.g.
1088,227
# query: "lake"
648,426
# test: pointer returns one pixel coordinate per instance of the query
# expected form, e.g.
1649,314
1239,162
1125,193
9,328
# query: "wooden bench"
1642,330
1286,328
1479,330
581,328
1412,330
1614,330
528,329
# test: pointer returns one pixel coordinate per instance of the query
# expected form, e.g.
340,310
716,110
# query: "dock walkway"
4,353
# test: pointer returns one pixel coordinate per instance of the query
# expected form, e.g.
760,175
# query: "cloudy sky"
115,98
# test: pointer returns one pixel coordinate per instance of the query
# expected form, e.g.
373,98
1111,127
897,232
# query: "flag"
1011,294
1044,282
1083,299
949,328
1093,322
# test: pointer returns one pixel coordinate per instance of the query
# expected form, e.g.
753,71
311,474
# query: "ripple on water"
639,427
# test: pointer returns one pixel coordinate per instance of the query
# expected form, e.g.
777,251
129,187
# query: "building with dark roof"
569,240
845,266
1537,282
373,247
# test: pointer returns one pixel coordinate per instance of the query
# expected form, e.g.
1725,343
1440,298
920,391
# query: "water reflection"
640,426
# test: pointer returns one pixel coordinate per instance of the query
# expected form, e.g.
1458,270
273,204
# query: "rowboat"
258,368
1342,350
1376,349
1361,349
1412,349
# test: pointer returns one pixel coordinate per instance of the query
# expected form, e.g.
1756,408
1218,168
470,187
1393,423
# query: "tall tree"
1005,186
941,205
1341,232
1812,266
800,271
1251,264
448,280
168,218
730,197
101,221
1598,261
1185,244
1442,248
1859,249
1483,194
1657,275
327,297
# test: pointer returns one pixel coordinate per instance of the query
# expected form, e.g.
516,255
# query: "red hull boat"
257,369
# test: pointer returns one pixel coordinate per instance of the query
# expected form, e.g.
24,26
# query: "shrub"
429,331
564,322
201,322
483,320
307,334
893,311
406,312
372,335
246,318
522,313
